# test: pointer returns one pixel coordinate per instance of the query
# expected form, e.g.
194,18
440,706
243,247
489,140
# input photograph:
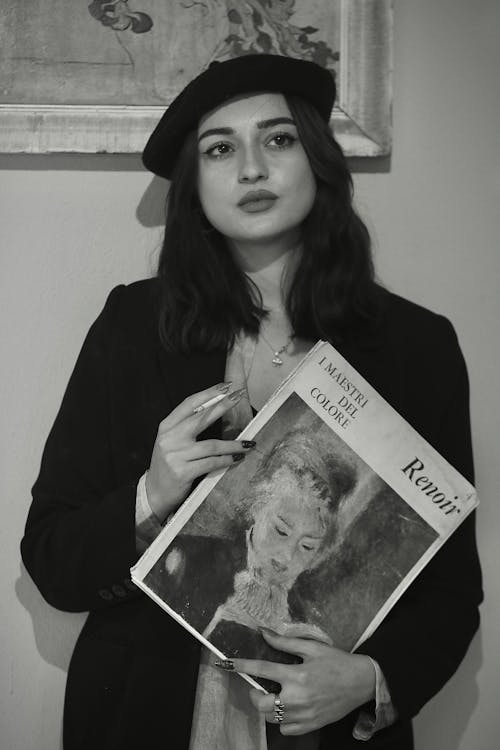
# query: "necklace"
276,360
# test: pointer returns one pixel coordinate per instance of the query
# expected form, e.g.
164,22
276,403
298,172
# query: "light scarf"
224,718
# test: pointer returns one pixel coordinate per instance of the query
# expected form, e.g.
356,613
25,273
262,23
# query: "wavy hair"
206,299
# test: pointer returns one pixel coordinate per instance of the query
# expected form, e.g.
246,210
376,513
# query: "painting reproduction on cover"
302,538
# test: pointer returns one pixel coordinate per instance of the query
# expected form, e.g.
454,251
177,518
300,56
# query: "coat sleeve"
79,540
425,636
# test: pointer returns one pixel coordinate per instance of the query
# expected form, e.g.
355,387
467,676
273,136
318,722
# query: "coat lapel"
184,375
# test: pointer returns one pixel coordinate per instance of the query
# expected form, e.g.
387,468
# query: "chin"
265,237
258,227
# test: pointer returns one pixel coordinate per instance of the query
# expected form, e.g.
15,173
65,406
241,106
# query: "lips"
255,197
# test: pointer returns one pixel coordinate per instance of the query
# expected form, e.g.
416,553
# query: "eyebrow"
261,125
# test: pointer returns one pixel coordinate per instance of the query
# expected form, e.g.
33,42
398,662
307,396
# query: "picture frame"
361,118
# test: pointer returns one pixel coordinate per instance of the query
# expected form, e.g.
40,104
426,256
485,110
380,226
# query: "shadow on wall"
55,632
443,722
151,211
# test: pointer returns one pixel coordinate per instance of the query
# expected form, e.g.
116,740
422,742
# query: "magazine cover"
318,532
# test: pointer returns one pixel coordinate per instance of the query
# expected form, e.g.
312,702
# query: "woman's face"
289,529
255,182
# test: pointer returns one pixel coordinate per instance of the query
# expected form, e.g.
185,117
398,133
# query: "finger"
186,407
293,729
263,702
270,670
304,647
288,722
193,422
195,469
203,418
271,719
206,448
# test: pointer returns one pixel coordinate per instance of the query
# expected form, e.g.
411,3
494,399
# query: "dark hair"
332,290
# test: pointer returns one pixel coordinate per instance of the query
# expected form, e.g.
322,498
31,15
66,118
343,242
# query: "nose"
282,556
253,166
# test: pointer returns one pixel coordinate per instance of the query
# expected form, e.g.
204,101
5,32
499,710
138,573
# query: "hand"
329,684
178,458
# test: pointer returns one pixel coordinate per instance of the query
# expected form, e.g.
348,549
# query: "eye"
218,150
281,140
281,531
308,547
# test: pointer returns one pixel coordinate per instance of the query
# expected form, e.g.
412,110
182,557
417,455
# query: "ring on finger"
279,709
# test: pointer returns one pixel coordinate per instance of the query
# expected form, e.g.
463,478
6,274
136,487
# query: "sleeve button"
118,590
106,595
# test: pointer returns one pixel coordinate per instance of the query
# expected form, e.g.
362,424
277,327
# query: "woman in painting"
263,254
292,511
284,526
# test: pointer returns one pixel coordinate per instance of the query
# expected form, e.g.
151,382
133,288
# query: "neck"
270,269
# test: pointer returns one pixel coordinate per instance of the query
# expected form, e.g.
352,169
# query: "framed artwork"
96,77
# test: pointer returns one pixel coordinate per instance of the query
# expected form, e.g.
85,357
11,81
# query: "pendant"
277,361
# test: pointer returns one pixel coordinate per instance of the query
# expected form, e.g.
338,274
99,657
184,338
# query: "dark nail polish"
226,664
248,443
238,457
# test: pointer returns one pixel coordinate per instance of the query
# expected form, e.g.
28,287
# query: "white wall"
73,226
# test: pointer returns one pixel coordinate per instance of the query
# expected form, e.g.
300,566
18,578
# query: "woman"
263,254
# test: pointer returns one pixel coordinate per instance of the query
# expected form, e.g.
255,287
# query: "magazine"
318,532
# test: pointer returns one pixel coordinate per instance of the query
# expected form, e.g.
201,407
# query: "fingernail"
226,664
238,457
248,444
236,395
224,387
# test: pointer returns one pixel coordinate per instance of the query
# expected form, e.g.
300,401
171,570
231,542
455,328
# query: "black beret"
224,80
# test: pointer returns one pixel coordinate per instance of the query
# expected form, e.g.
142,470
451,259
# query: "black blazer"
132,677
